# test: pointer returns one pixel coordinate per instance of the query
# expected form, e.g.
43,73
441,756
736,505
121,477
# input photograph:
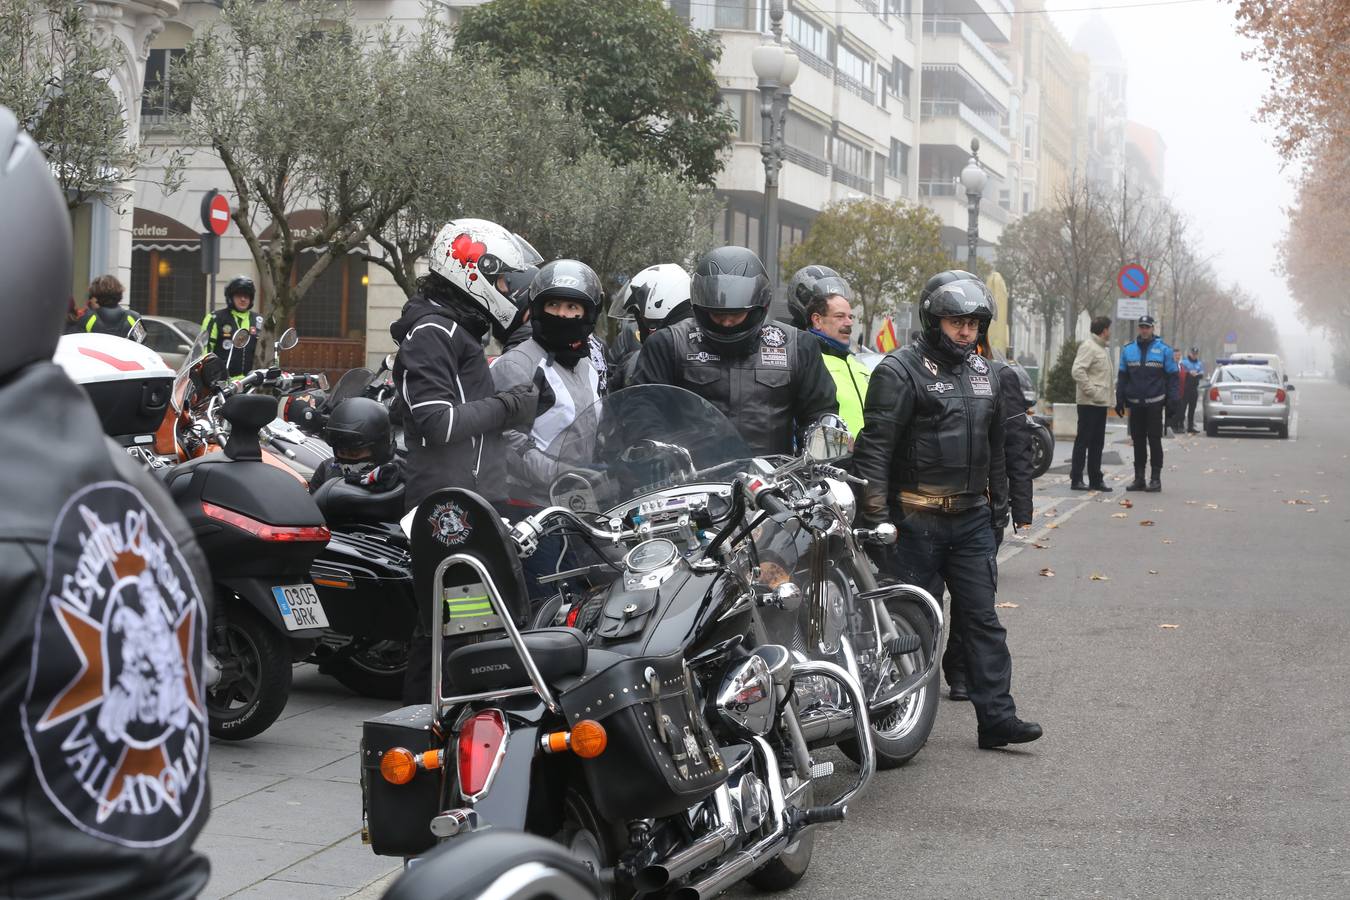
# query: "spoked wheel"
376,670
255,675
900,730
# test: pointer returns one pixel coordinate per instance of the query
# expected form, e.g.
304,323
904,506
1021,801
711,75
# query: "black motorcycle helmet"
518,292
565,279
35,258
955,292
360,434
240,284
813,283
731,279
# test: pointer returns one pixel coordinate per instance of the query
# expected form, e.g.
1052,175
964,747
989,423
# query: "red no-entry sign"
216,213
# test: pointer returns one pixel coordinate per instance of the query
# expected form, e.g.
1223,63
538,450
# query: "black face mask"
951,349
567,339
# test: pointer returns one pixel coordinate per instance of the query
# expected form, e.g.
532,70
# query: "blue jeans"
958,549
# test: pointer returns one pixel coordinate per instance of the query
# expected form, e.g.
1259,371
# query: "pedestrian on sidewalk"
1190,390
1146,381
1093,382
1174,404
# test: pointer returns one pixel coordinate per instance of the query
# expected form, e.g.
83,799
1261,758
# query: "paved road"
1207,760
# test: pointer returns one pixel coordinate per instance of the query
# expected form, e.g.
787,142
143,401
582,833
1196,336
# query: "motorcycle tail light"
572,615
1214,395
264,531
482,740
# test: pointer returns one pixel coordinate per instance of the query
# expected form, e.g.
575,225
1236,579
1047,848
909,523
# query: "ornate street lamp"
776,67
973,178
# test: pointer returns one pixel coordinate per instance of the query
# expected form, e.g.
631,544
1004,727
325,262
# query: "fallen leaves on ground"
1127,503
1048,572
1146,522
1051,513
1153,571
1168,541
1311,509
1119,515
1207,472
1169,625
1299,501
1039,546
1211,506
1188,502
1052,525
1098,576
1004,604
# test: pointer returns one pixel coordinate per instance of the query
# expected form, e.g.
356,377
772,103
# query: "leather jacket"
771,394
103,782
1017,448
933,431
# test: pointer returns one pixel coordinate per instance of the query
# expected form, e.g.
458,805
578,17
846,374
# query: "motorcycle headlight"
746,700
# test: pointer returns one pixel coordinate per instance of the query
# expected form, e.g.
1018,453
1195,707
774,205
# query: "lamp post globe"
973,179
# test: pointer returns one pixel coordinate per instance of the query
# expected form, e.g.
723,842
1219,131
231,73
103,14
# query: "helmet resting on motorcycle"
470,254
955,292
566,280
731,280
240,284
657,296
36,260
814,283
360,434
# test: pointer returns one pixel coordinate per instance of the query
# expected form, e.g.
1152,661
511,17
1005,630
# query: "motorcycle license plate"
300,606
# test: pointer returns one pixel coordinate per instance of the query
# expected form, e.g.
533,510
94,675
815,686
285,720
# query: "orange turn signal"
589,739
431,760
398,766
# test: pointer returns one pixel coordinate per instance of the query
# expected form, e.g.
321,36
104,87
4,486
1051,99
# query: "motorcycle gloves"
521,402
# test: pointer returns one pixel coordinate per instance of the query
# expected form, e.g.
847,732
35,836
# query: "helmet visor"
833,286
962,298
730,292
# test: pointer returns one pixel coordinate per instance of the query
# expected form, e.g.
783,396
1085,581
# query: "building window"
157,97
335,305
850,158
802,134
168,283
681,9
897,165
855,66
807,35
1026,201
897,82
744,107
738,14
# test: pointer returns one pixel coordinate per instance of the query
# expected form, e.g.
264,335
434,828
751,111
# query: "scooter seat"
343,502
560,653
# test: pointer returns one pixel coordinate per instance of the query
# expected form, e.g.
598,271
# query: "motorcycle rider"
826,303
1019,466
452,414
83,715
236,315
362,438
1146,382
656,297
105,314
932,450
768,379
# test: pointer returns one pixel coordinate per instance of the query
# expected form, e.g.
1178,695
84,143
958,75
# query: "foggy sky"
1188,80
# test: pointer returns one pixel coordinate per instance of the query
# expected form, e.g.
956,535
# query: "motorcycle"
496,865
660,735
1042,436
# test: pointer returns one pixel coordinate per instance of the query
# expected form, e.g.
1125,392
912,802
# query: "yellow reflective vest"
850,382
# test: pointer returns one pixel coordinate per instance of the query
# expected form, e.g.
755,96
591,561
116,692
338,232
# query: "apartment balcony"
804,179
948,200
952,123
990,19
952,43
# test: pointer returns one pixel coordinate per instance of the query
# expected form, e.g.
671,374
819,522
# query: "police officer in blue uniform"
1147,380
1195,371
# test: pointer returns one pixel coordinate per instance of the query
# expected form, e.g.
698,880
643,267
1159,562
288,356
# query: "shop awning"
152,230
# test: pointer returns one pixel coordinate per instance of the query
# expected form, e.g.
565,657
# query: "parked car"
1249,394
170,338
1266,359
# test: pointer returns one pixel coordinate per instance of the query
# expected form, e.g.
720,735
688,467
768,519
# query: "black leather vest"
946,451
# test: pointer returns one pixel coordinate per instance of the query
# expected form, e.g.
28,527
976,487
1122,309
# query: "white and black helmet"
656,296
36,260
471,253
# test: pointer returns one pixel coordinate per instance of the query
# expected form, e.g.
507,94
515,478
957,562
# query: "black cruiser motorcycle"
664,734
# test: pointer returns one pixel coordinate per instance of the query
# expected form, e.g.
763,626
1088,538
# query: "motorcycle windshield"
649,438
181,382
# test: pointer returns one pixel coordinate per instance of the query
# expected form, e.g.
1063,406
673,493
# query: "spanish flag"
886,341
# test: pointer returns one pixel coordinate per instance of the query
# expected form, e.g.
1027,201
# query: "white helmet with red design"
471,254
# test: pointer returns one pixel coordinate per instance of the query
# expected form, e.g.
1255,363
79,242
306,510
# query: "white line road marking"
1010,549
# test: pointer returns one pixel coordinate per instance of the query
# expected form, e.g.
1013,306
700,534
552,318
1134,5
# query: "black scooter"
260,531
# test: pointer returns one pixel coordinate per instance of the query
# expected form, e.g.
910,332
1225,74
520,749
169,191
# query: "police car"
1249,393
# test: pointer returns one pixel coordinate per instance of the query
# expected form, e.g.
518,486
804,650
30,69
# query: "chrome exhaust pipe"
740,865
701,852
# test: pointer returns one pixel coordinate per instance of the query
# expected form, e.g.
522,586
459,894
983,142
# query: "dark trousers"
1146,429
958,549
1191,399
1087,446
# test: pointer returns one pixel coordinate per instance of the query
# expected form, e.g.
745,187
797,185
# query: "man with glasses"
932,450
826,301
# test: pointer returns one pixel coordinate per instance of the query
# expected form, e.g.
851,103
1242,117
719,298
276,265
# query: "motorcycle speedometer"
650,556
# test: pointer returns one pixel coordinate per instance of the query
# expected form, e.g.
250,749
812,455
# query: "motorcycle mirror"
827,443
289,338
406,523
240,339
137,333
389,361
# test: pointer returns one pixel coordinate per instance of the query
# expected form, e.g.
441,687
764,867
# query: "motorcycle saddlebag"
661,757
398,816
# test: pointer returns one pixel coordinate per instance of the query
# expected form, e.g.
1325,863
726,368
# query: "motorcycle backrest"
247,413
